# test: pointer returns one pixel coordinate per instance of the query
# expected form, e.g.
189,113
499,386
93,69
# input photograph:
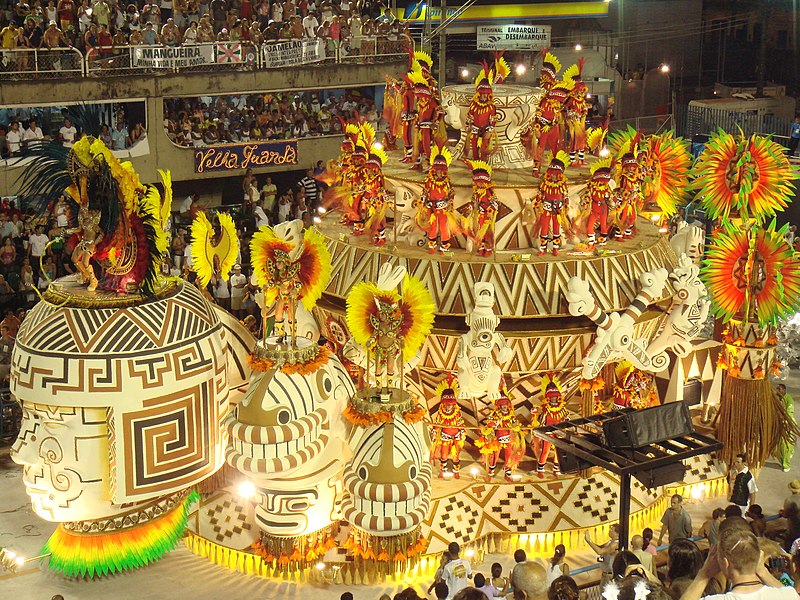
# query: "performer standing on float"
628,195
598,195
435,212
428,113
448,428
484,207
408,117
358,177
577,108
482,114
552,411
502,434
531,132
375,195
633,388
552,198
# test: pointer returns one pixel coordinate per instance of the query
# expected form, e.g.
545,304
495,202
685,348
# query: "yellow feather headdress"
601,164
549,378
447,382
423,58
443,152
552,60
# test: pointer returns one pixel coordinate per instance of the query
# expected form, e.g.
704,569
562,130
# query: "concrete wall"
154,88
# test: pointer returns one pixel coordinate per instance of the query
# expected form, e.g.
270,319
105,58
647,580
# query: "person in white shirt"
14,139
457,572
37,242
67,133
262,220
221,292
238,290
187,208
32,135
310,25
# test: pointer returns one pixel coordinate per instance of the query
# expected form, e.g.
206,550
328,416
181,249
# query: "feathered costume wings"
205,249
310,253
414,303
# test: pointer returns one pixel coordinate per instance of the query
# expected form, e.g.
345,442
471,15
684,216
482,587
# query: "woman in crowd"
557,567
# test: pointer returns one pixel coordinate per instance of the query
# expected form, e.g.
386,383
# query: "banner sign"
241,156
235,52
172,57
290,54
513,37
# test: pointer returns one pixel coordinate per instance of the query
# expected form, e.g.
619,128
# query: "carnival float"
463,297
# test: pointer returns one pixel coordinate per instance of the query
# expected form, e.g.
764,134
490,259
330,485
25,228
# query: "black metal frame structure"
583,438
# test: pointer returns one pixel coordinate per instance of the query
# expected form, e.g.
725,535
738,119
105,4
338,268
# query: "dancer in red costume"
408,116
354,182
448,432
482,114
552,199
428,113
531,132
435,212
484,207
552,411
628,195
374,197
502,434
577,107
598,194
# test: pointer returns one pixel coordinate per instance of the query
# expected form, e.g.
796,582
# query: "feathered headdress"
601,169
501,68
414,308
424,59
559,161
550,64
310,253
669,159
551,384
752,273
377,156
751,176
441,156
447,389
623,372
481,171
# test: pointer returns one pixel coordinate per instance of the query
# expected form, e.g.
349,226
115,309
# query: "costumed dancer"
448,428
628,195
484,207
90,235
408,117
633,388
389,326
290,266
532,131
577,108
598,195
435,212
428,109
374,198
548,120
502,434
358,177
425,63
482,114
392,112
552,198
552,411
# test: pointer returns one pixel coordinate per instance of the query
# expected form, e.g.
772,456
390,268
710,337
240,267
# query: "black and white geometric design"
597,498
519,509
459,521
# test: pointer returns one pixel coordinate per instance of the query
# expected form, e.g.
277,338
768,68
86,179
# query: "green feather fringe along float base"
90,555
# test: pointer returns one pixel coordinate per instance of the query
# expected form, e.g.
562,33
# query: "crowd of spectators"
97,26
260,117
21,129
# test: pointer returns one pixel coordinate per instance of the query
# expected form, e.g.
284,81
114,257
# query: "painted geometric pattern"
523,289
113,331
226,519
479,509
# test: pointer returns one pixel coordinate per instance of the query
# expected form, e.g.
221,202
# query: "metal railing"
701,120
36,63
212,56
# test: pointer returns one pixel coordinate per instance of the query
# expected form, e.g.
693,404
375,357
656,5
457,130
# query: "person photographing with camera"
739,559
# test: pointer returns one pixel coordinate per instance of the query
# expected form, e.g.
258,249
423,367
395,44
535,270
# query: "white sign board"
513,37
173,57
296,52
